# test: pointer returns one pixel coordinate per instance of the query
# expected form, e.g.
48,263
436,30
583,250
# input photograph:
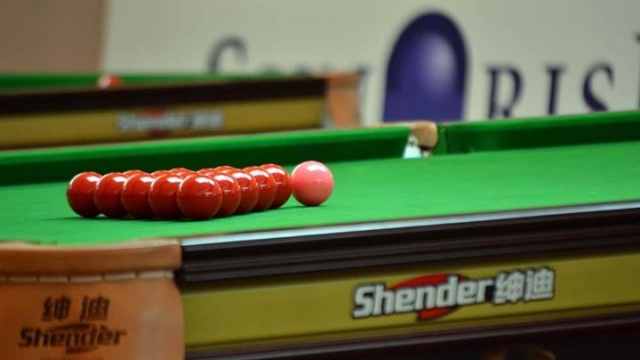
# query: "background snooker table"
43,110
576,167
56,82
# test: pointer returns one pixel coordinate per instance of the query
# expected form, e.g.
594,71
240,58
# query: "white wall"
169,35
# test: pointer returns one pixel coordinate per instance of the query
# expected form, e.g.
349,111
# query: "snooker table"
506,230
45,110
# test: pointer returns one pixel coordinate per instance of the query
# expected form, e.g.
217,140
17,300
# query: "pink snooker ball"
312,183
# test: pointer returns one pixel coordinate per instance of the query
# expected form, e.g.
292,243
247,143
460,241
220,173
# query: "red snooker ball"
108,81
207,171
163,196
135,196
312,183
182,172
225,168
159,173
231,193
199,197
130,173
107,195
80,194
249,190
284,186
266,186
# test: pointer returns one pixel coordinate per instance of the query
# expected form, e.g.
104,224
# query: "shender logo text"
54,330
436,295
74,338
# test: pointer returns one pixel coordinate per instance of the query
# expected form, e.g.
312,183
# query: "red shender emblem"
429,280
